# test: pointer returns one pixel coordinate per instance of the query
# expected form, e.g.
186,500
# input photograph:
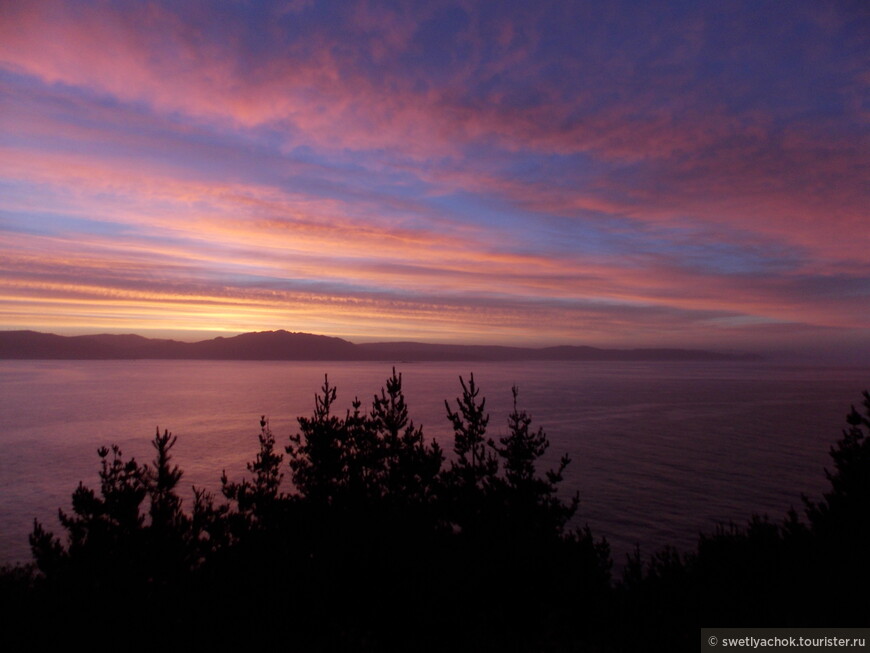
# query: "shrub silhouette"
364,461
112,541
530,502
381,546
793,573
842,515
257,500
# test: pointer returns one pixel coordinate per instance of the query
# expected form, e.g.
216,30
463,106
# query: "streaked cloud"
515,172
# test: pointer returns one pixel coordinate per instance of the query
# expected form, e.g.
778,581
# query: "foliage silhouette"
411,468
257,499
471,478
530,502
318,455
475,465
111,541
379,545
794,573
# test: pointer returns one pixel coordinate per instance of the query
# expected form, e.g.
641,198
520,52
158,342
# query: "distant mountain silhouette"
283,345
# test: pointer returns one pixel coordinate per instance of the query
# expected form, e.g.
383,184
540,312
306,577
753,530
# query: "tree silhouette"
792,573
410,466
839,538
472,474
378,544
847,505
111,541
317,451
103,531
257,499
531,501
474,463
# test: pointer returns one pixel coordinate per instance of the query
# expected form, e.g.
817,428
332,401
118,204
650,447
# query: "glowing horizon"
459,172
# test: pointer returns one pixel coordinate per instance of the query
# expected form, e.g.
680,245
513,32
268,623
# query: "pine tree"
104,531
532,504
847,505
840,523
111,540
162,479
474,465
473,471
256,499
411,467
317,451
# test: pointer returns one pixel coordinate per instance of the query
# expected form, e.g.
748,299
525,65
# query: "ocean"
660,451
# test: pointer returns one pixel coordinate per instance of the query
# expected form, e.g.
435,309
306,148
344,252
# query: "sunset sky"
691,174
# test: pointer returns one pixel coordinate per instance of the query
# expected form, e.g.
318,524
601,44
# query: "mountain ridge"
287,345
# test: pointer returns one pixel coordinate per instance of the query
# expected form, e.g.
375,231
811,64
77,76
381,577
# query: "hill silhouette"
285,345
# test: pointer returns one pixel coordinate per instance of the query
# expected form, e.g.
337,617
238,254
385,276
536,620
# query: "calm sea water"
660,451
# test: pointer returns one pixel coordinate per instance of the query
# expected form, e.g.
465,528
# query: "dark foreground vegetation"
384,545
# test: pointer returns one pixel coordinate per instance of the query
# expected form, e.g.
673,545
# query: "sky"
620,174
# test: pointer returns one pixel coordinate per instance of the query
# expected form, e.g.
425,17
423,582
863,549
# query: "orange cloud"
162,166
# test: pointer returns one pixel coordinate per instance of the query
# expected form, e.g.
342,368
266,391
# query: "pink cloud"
263,232
685,169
